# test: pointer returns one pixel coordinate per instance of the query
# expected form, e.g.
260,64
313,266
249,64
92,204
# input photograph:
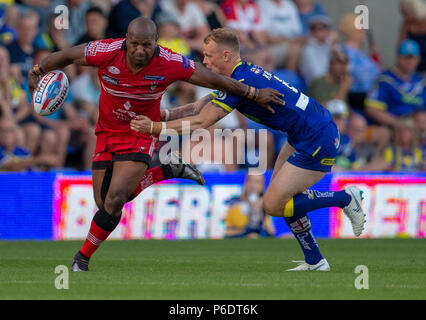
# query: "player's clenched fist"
142,124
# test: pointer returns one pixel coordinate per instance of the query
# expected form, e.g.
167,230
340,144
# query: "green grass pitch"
214,269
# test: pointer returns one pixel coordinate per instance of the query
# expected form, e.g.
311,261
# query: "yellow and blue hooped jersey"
302,118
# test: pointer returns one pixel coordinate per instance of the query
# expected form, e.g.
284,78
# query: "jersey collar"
236,66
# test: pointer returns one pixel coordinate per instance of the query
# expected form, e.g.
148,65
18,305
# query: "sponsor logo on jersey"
153,86
154,78
109,79
186,62
91,48
113,70
127,105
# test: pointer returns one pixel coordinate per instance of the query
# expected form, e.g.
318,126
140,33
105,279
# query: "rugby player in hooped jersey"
134,73
308,155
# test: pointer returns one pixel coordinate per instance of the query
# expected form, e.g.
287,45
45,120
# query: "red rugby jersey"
124,94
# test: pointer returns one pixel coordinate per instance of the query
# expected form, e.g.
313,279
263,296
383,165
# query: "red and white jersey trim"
143,96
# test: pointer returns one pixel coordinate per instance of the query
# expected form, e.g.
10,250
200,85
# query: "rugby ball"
52,91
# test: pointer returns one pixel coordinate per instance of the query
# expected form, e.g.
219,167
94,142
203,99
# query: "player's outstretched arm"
206,78
208,116
187,110
54,61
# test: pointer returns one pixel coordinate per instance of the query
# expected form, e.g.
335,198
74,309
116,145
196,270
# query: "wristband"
167,117
163,128
256,94
247,93
152,125
37,70
252,93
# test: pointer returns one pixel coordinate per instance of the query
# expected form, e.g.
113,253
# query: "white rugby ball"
52,91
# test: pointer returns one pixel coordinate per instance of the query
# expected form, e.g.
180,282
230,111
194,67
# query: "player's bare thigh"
97,180
126,176
288,181
286,151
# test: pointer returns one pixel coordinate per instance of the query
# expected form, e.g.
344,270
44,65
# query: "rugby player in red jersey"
134,72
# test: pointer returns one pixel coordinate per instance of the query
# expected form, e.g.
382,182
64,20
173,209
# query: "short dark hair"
224,36
95,9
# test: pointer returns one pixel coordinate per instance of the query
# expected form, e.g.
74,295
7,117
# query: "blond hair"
414,8
347,25
226,37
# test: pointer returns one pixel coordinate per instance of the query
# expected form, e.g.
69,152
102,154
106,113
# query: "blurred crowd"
380,111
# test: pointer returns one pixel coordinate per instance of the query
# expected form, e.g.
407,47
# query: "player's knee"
115,201
273,207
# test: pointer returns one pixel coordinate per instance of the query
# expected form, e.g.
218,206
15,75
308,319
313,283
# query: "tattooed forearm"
182,112
190,109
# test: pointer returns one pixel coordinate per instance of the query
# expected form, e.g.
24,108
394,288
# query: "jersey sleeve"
225,101
179,66
98,53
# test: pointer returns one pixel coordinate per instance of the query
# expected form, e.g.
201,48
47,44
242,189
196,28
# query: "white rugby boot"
354,210
322,265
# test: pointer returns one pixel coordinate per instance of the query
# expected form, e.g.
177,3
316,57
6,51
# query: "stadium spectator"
245,216
336,83
16,158
7,31
414,26
399,91
368,157
308,9
125,11
315,58
76,18
53,38
244,16
85,91
363,69
282,32
214,15
404,154
39,6
193,23
21,50
168,32
14,105
420,123
96,23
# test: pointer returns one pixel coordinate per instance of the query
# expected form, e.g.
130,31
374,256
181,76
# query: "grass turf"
214,269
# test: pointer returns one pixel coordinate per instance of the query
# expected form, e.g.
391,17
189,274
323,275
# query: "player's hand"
267,96
141,124
32,82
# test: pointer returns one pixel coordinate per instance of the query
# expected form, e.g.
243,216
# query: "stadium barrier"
56,206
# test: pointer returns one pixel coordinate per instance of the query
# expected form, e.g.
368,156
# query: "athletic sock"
301,228
156,174
295,215
311,200
101,227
